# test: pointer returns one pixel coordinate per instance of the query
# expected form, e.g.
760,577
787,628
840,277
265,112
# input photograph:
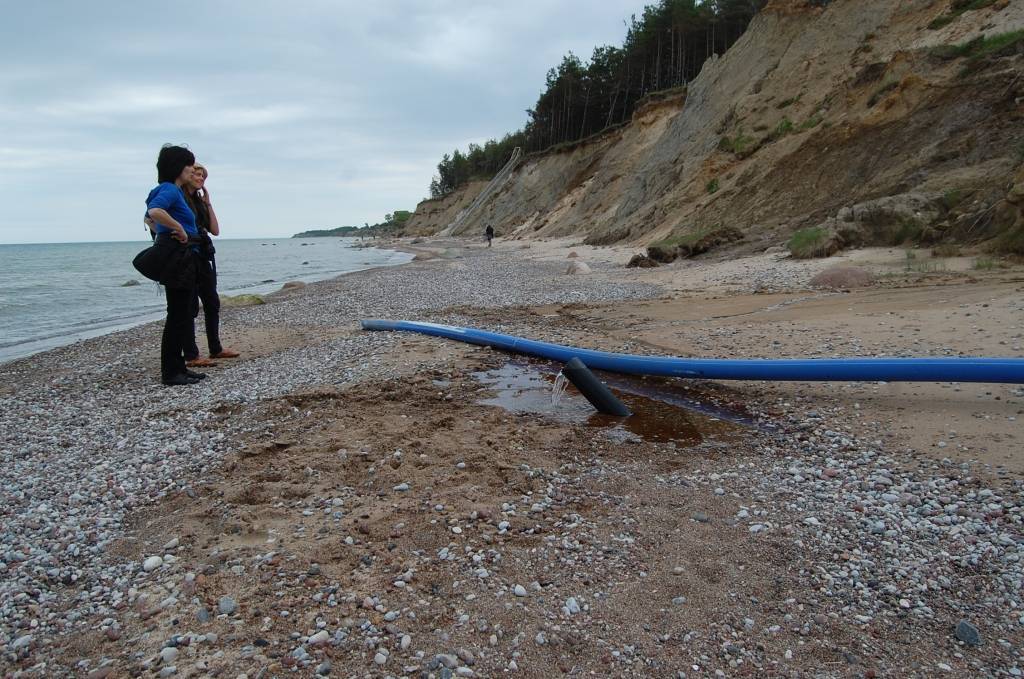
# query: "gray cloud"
308,114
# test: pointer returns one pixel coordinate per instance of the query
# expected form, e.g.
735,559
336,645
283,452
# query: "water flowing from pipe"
558,390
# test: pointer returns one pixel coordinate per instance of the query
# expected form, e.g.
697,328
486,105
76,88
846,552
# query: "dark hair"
171,161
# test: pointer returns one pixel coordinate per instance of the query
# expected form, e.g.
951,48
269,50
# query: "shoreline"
304,478
39,345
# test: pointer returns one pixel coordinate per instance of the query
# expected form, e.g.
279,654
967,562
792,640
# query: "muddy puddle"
660,412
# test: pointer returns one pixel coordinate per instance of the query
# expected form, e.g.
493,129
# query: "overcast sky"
308,114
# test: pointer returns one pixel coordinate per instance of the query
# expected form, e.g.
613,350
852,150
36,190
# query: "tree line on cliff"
664,48
393,223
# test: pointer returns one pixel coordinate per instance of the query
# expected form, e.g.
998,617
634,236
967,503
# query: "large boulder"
692,245
241,300
1016,193
892,220
720,236
662,253
1008,219
823,240
641,262
842,278
577,267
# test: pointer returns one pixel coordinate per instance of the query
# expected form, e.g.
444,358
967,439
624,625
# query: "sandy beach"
345,503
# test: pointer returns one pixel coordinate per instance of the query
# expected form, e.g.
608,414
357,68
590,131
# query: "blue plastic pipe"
995,370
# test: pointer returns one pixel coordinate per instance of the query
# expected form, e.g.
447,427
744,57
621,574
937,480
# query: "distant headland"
392,223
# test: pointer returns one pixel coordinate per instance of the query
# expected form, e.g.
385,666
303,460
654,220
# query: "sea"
57,293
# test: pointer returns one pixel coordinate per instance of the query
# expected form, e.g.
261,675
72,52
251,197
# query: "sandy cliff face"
433,215
814,110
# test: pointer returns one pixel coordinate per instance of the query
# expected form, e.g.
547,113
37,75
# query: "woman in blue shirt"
174,219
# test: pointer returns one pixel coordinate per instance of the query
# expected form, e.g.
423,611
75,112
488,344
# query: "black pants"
176,332
206,292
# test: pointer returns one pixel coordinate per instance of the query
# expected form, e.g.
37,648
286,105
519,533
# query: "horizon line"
143,240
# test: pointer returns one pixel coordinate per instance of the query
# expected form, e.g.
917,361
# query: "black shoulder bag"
168,262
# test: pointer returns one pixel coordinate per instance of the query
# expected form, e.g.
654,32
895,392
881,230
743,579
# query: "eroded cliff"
815,111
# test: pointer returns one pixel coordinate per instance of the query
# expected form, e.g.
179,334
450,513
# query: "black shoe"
179,380
191,374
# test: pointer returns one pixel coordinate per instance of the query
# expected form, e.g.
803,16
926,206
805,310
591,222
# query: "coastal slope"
815,109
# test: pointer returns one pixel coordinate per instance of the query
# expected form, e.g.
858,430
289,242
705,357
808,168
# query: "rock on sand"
838,277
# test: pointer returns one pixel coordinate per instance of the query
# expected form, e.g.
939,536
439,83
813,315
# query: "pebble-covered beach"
405,530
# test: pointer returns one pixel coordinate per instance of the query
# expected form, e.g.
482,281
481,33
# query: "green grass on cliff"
980,47
741,145
686,239
806,243
958,7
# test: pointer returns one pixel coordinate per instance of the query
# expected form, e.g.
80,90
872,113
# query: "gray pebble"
226,605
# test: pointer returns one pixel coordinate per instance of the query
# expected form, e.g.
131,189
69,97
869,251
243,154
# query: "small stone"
572,606
319,638
22,642
406,642
679,600
171,544
380,658
519,590
168,671
168,655
324,668
152,563
401,488
968,633
226,605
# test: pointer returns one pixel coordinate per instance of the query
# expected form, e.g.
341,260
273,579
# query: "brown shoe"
225,353
200,363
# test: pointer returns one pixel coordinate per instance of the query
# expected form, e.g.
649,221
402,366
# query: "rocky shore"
339,502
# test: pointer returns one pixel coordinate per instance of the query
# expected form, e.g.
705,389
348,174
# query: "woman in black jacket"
206,291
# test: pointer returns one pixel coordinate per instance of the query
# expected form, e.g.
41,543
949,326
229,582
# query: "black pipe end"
593,389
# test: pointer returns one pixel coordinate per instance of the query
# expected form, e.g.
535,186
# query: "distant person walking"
174,221
198,197
489,233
